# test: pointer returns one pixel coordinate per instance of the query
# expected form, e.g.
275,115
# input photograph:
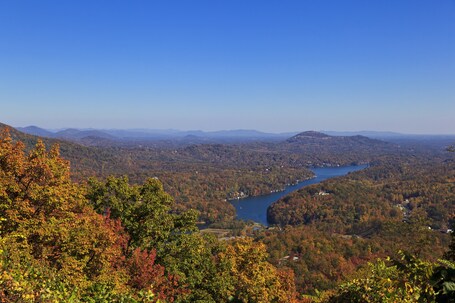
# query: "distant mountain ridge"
314,137
69,133
36,131
72,133
307,135
112,136
172,138
365,133
320,149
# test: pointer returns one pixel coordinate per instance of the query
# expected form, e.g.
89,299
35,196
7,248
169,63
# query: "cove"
255,208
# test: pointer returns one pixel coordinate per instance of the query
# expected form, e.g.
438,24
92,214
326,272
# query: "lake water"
255,208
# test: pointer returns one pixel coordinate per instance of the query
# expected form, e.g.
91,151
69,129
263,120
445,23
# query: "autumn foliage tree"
212,271
255,279
109,241
44,213
52,240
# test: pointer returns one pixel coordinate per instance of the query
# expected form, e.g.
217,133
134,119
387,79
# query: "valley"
396,196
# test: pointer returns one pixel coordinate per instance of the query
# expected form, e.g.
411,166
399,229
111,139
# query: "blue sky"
267,65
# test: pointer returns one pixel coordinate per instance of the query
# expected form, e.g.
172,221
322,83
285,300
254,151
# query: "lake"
255,208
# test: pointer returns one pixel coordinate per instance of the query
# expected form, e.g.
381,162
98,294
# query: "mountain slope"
75,134
36,131
85,161
319,149
313,137
307,136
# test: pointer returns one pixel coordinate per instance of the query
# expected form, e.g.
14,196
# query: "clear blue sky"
267,65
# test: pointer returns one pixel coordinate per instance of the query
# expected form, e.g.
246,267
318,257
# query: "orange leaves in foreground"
257,279
46,220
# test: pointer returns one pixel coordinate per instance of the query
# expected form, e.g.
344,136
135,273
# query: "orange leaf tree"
46,220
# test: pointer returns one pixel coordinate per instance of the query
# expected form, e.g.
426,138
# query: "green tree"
144,210
403,280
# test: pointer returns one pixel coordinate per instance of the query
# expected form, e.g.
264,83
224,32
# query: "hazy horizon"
204,65
230,130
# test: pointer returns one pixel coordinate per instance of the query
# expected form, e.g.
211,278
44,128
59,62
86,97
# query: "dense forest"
110,231
111,241
399,203
391,189
206,176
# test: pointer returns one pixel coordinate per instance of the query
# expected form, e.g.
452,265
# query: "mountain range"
176,138
92,136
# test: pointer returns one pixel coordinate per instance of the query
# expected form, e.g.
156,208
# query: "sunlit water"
255,208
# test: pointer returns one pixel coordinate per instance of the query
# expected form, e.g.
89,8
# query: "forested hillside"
114,242
373,234
198,183
392,189
335,226
205,176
